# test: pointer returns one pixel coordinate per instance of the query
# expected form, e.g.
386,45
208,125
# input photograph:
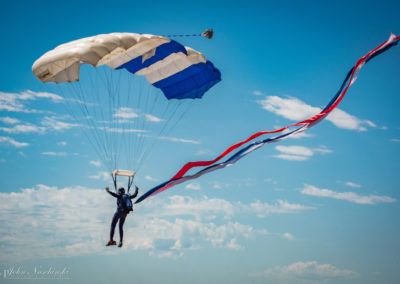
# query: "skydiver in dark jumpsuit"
120,215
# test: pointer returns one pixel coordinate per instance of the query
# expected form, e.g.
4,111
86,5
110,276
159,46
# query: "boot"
111,243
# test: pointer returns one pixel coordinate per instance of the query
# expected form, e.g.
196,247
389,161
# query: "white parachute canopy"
122,115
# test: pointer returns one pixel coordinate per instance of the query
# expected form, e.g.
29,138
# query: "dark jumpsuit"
120,215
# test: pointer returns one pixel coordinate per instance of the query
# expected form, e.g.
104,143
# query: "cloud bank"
61,222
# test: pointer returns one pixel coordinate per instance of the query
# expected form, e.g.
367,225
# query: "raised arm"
136,192
111,193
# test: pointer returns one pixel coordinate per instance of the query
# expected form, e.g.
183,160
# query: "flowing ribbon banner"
351,77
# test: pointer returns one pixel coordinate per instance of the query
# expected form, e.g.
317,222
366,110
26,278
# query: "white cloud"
149,178
203,152
48,123
59,154
352,184
219,185
299,153
233,245
105,176
290,108
95,163
47,217
31,95
9,120
344,120
182,205
173,139
271,180
126,113
257,93
12,142
395,140
279,207
15,102
295,109
193,186
295,150
123,130
62,143
152,118
54,123
24,128
322,150
163,227
348,196
291,157
22,154
305,270
288,236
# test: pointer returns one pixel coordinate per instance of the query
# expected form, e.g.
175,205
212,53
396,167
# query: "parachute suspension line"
130,182
141,134
157,137
168,126
150,122
128,141
142,105
96,111
114,178
101,87
127,146
177,113
133,95
74,94
124,133
111,105
209,33
83,105
157,95
143,125
72,114
117,97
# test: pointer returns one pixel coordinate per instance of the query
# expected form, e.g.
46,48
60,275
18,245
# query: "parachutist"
124,206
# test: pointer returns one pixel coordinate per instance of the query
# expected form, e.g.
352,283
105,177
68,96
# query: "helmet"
121,190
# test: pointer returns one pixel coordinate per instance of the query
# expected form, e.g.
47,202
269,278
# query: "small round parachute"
121,114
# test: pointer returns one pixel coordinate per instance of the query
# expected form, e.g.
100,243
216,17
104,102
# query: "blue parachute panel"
161,52
190,83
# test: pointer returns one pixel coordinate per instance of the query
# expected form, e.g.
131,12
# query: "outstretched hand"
107,189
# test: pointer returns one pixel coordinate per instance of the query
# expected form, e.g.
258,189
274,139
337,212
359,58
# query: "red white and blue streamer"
351,77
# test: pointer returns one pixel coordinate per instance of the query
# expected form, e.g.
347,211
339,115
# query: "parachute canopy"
121,114
180,72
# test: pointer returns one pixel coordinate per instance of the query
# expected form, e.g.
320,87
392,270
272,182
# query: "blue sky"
320,208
